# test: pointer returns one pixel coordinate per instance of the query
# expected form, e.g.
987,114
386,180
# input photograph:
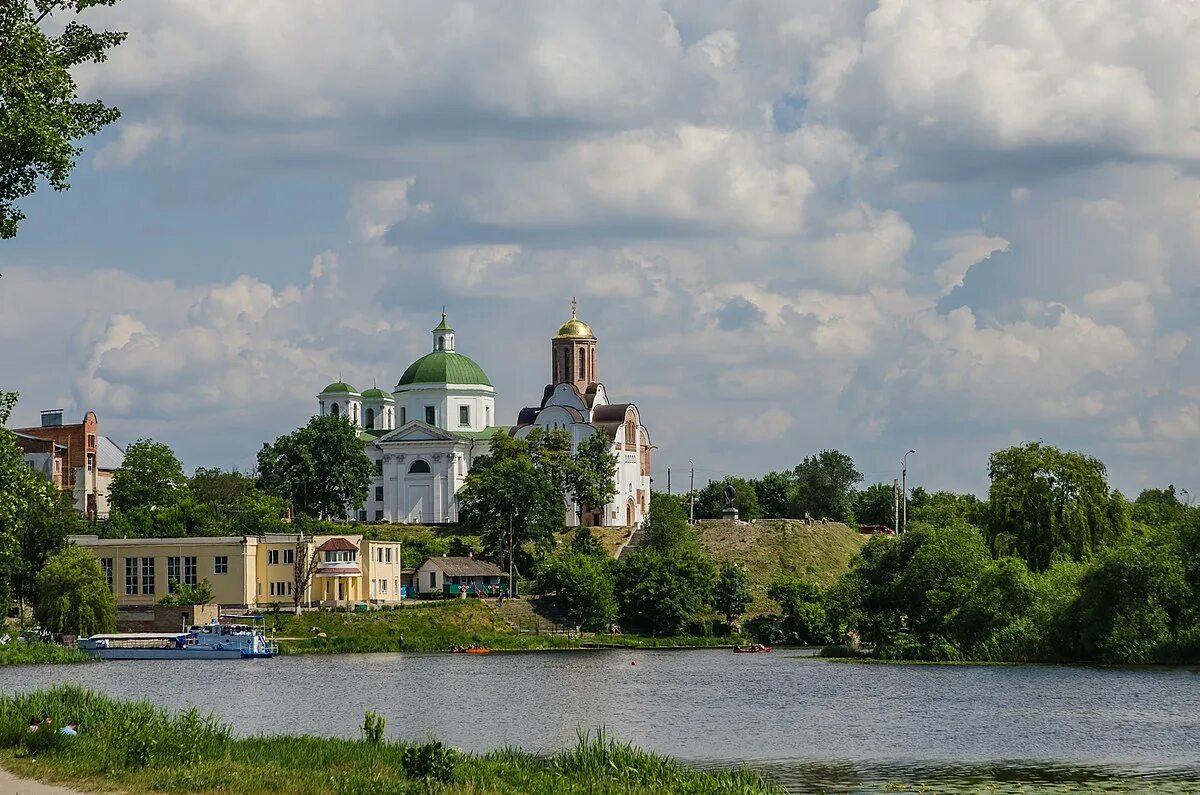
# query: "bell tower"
573,354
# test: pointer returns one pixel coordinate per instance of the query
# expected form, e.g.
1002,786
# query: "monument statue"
729,496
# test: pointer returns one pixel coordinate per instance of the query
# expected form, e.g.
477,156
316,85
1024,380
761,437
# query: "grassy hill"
771,547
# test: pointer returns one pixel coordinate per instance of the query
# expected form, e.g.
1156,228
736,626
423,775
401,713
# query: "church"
424,437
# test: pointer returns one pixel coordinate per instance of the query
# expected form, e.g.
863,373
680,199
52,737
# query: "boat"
753,648
213,641
469,650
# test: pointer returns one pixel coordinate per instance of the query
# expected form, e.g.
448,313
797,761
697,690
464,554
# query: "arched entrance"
629,513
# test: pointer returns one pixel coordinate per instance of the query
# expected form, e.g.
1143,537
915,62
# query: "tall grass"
138,747
22,653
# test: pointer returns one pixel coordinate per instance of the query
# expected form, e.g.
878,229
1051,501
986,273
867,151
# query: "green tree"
320,469
666,529
581,586
217,487
149,477
42,531
73,598
1044,502
182,594
876,504
731,592
775,491
824,485
585,542
591,480
505,492
660,593
941,508
1158,507
24,495
41,116
801,602
710,500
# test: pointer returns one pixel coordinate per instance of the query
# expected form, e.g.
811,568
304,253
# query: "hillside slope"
771,547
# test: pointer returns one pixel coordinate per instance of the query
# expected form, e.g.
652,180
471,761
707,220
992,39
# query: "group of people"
46,724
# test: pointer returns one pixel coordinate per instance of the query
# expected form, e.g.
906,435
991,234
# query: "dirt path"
11,785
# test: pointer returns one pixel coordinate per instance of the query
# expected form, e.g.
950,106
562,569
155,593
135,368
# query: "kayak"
751,649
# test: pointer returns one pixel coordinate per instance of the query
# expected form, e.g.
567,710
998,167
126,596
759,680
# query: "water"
811,724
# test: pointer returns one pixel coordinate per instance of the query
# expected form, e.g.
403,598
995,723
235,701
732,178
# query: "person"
71,729
34,724
48,723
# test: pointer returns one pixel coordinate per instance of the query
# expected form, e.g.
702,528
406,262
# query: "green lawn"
139,748
771,547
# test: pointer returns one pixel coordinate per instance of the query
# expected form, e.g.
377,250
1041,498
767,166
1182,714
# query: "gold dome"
574,329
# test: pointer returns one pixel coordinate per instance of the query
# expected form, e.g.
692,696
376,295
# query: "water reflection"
939,727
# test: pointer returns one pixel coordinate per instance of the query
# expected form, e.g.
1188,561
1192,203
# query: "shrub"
431,761
372,728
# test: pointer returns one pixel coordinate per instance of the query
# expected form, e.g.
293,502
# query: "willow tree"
1045,502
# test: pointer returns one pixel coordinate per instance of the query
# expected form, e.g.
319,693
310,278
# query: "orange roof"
337,545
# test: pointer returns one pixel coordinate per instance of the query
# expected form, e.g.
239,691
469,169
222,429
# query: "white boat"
203,642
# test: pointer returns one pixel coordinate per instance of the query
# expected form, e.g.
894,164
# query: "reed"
22,653
137,747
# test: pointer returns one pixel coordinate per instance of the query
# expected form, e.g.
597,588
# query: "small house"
458,576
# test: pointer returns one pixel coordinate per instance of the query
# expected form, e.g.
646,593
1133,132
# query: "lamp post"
692,494
904,488
1187,501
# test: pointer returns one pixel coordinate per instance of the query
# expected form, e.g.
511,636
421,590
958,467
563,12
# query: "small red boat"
470,650
753,648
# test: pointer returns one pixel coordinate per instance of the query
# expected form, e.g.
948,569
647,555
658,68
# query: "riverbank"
21,653
437,626
140,748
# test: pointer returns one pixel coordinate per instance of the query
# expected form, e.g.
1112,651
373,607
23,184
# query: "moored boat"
213,641
753,648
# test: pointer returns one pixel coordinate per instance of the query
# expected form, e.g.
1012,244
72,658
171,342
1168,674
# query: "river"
812,725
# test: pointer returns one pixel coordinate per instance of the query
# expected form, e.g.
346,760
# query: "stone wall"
160,618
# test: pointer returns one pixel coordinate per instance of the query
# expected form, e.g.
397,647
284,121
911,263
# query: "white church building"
424,436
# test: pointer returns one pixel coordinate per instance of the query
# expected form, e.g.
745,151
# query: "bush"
372,728
431,761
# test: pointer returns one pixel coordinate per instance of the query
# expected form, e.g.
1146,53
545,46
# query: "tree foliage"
775,492
24,496
710,500
1044,502
824,486
321,470
802,603
150,477
660,593
182,594
581,586
876,505
731,592
41,116
667,528
591,481
73,597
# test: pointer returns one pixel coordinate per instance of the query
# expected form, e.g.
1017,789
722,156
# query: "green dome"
338,387
375,393
444,367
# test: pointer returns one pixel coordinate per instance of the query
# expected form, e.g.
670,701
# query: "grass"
771,547
22,653
138,748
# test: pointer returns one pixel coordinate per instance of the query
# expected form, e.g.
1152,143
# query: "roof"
443,326
31,438
338,545
610,413
339,387
375,393
486,433
466,567
109,454
444,367
574,329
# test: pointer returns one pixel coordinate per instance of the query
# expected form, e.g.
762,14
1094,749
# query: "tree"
42,531
73,597
507,493
775,491
1158,507
660,593
304,567
876,504
582,588
24,493
731,592
1044,501
149,477
41,116
217,487
823,486
182,594
585,542
941,508
710,500
591,481
667,528
802,603
321,469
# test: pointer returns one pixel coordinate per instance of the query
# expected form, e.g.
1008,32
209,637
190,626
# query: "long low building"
252,571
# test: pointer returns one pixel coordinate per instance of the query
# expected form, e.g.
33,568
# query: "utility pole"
896,506
904,488
511,590
668,481
692,495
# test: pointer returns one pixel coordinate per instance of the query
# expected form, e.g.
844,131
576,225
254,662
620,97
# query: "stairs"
632,543
528,615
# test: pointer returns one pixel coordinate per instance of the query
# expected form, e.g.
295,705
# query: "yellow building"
251,571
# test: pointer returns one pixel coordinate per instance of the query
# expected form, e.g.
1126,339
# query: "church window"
419,467
431,415
403,415
583,364
441,343
464,415
370,418
335,410
379,494
378,466
487,416
566,365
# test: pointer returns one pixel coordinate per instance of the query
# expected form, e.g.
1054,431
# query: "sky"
947,225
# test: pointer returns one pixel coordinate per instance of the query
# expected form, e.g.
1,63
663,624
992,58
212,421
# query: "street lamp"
904,488
1187,502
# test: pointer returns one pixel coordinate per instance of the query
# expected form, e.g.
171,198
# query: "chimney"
52,418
